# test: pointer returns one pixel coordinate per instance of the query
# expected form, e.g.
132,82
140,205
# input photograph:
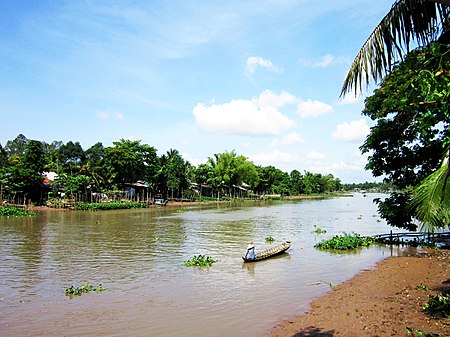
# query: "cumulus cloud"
354,131
258,116
314,155
290,139
349,99
257,61
313,108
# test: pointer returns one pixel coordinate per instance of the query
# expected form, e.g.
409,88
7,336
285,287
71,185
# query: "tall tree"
131,161
408,21
230,170
17,146
411,111
26,175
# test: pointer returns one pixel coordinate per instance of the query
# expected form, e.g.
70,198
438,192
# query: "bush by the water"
345,242
104,206
14,211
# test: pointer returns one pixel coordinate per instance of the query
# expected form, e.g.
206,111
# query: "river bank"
383,301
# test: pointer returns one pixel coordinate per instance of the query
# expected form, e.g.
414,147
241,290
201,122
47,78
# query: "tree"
26,175
172,174
230,170
95,166
273,181
411,109
16,147
130,161
418,21
70,157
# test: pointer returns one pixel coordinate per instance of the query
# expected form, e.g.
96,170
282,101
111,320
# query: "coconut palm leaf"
419,21
431,201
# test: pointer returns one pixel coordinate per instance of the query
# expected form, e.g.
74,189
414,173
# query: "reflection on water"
138,254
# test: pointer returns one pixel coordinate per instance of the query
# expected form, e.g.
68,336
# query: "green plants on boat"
86,288
269,239
345,242
200,261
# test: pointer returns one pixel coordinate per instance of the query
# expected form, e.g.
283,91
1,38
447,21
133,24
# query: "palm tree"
431,201
419,21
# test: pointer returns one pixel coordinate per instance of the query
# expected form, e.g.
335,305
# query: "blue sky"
262,78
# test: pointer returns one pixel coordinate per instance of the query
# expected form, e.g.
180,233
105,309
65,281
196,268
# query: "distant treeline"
368,186
133,170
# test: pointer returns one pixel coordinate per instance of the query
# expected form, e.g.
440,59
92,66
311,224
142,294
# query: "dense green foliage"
345,242
200,261
411,111
131,170
14,211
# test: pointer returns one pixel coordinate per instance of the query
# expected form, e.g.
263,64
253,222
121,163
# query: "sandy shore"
383,301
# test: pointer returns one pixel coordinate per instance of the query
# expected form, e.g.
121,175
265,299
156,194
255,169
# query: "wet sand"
383,301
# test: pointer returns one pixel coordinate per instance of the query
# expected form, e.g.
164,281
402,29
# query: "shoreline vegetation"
30,209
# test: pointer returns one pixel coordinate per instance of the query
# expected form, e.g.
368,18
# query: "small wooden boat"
274,251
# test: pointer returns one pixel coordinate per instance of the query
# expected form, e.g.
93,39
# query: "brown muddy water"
137,255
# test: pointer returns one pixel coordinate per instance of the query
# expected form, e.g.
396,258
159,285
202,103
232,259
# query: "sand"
383,301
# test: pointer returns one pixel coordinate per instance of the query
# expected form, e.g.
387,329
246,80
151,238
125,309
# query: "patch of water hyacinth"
345,242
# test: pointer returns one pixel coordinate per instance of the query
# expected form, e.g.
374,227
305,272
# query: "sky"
260,77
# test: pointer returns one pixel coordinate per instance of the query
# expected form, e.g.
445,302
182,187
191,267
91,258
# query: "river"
138,255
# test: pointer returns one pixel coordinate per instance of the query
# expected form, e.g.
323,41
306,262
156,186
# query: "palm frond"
407,21
431,201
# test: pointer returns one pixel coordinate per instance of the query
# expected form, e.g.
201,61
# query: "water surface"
137,255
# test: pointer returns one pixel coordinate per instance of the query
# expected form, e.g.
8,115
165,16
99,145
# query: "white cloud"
324,61
275,156
258,116
354,131
257,61
349,99
313,108
291,138
314,155
269,98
